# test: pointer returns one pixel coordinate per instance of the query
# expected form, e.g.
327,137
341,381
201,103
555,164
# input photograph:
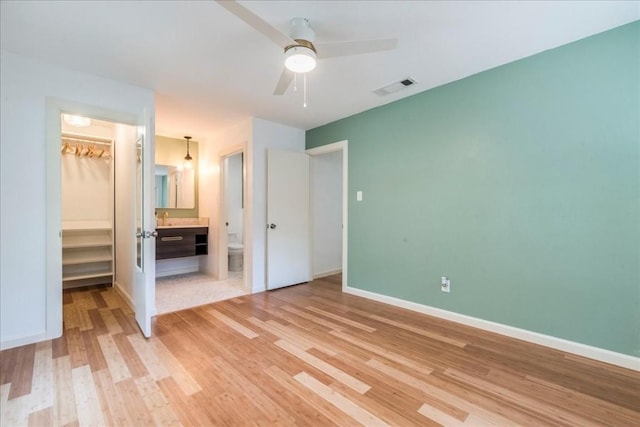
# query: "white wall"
25,85
326,212
265,135
126,175
86,188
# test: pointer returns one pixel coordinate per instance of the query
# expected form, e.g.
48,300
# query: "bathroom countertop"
182,222
182,226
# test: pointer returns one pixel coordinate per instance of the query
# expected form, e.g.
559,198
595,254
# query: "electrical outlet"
445,284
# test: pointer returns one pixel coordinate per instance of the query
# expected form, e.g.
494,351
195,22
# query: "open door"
288,231
144,286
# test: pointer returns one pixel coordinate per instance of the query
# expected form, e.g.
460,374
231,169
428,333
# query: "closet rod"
86,139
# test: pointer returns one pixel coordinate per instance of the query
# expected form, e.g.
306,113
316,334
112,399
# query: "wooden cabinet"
87,253
179,242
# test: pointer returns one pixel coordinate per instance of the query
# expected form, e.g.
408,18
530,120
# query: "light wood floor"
305,355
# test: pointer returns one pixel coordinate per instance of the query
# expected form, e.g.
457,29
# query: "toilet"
235,251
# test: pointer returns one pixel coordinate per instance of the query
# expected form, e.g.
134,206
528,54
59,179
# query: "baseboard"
327,273
584,350
125,295
129,300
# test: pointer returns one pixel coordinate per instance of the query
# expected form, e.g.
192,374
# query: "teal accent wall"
520,183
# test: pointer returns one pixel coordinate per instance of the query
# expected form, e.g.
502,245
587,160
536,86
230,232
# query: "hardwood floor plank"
185,407
341,319
135,408
77,351
359,414
86,397
59,347
149,358
156,403
65,408
442,418
110,321
113,407
22,377
241,329
94,353
42,384
441,395
606,411
322,409
134,363
40,418
115,362
275,414
311,317
383,352
520,399
181,376
325,367
99,327
126,322
307,355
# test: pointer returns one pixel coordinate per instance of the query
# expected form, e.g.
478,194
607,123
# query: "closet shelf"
89,241
72,277
86,225
87,257
87,253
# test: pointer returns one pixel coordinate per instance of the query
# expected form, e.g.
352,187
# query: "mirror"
174,187
175,178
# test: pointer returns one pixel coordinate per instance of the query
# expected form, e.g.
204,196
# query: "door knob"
272,226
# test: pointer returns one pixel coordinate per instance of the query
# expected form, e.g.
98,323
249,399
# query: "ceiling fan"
299,48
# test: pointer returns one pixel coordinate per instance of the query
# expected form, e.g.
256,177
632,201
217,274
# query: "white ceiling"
210,70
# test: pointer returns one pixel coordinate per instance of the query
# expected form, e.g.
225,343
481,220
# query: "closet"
87,204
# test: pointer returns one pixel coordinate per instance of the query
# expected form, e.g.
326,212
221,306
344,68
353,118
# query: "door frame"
329,148
223,270
55,107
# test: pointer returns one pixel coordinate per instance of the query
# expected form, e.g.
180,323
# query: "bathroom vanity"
181,241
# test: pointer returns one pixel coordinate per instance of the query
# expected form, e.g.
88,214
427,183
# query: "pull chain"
305,91
295,82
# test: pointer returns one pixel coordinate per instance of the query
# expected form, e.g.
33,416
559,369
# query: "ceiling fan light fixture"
300,59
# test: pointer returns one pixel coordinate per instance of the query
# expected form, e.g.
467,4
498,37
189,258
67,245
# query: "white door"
288,232
144,286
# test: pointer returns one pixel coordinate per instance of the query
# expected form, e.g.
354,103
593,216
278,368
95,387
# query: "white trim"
326,273
328,148
602,355
247,218
53,226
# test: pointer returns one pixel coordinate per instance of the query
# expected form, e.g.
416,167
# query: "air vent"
395,87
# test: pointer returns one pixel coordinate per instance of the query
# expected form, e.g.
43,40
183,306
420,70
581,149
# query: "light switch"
359,196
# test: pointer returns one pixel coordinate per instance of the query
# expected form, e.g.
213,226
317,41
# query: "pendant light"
188,158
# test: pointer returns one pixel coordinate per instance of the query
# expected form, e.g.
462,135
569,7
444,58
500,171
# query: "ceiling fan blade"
330,50
256,22
285,81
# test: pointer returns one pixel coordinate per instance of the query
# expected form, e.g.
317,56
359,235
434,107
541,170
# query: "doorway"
329,209
86,241
232,261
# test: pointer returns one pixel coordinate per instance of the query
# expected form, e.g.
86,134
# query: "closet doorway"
101,178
